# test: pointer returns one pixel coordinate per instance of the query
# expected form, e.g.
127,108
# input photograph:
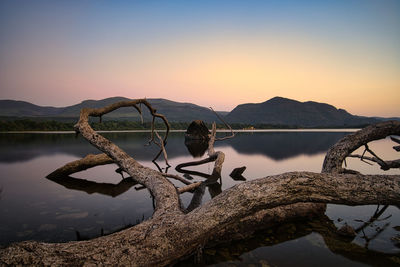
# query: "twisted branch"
164,192
337,154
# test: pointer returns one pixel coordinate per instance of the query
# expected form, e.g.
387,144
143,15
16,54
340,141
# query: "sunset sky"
211,53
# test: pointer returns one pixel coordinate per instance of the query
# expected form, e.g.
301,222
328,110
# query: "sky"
211,53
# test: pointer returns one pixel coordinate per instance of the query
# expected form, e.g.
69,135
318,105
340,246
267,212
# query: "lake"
98,201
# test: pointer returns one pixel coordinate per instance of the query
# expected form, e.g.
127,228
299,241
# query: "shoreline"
182,131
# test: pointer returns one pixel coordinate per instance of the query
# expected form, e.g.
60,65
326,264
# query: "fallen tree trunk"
172,234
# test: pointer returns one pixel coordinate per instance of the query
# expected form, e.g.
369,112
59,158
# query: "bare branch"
336,154
177,177
187,188
385,165
161,145
226,124
163,191
381,162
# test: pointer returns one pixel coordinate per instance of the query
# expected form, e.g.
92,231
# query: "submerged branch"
85,163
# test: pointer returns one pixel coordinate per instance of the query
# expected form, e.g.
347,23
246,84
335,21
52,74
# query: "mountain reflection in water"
279,146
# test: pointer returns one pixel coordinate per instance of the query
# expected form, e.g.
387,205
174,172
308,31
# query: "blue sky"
229,52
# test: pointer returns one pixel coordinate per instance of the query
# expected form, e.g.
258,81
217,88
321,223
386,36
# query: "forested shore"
25,124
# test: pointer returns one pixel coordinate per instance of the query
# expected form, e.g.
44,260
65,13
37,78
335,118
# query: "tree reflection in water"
236,251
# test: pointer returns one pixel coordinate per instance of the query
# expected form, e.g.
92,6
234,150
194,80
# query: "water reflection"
309,242
196,148
27,146
279,146
91,187
213,181
283,145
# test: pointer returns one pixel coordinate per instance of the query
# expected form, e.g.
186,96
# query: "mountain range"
174,111
276,111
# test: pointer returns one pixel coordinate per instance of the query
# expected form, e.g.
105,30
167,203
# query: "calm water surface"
98,201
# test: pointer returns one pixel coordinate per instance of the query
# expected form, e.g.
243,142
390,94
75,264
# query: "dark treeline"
53,125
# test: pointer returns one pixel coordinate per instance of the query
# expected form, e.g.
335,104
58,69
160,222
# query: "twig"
139,109
162,149
177,177
188,187
226,124
385,165
382,162
373,218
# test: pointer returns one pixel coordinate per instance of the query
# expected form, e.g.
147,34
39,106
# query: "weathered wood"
336,154
163,191
177,177
189,187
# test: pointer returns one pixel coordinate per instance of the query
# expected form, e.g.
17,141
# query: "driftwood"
172,233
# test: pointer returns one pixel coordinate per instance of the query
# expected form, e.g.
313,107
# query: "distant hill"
13,108
277,111
174,111
283,111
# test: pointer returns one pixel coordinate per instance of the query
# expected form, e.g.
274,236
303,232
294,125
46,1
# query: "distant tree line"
7,125
53,125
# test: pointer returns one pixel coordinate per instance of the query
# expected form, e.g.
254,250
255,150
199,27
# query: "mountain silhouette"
288,112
